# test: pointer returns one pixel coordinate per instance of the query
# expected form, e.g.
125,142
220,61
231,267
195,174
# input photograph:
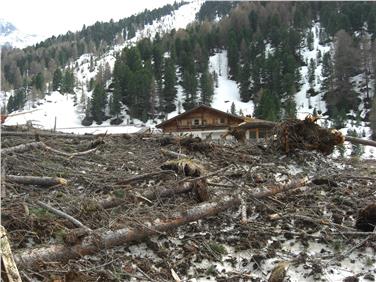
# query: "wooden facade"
201,118
204,122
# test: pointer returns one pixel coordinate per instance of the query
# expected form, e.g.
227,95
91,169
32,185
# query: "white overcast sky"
53,17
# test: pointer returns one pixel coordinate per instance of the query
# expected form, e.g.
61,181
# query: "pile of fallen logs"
73,203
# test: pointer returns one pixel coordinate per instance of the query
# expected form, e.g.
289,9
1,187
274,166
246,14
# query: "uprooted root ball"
305,135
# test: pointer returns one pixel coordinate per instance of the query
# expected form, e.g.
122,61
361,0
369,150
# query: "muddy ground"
311,229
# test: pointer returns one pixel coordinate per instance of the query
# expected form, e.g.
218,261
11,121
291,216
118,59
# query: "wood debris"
119,216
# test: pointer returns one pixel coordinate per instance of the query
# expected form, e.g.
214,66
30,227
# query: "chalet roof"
197,108
251,123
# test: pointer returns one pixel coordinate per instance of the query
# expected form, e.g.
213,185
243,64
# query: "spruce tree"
115,103
207,87
245,94
233,109
372,118
233,55
310,40
57,80
10,104
169,87
98,103
189,84
268,107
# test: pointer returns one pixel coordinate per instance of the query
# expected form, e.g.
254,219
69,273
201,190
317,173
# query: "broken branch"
63,215
34,180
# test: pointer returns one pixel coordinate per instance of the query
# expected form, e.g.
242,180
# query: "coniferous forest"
263,40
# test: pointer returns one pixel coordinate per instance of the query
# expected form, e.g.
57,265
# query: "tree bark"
9,270
34,180
96,242
22,148
46,134
355,140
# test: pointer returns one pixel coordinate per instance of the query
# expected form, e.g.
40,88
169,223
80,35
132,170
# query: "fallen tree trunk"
34,180
26,147
46,134
355,140
22,148
9,270
96,242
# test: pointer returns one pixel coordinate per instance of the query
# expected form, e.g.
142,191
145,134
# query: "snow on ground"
303,103
62,108
227,91
178,19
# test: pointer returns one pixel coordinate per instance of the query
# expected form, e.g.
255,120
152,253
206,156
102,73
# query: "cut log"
22,148
46,134
34,180
26,147
93,243
355,140
9,270
97,241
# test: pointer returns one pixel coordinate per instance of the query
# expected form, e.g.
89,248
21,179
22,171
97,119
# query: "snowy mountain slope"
306,105
227,91
71,122
11,36
69,113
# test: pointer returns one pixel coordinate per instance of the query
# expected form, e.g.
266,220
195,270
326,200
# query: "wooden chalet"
206,122
202,121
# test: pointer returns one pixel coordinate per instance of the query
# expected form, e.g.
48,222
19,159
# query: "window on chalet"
221,120
196,122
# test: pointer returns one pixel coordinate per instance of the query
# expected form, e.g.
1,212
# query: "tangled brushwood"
161,208
305,135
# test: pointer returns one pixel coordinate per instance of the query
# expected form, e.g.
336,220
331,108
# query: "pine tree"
233,109
233,55
189,84
245,94
115,103
98,103
57,80
310,40
268,107
169,89
10,104
372,118
207,88
39,82
68,82
290,108
311,73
